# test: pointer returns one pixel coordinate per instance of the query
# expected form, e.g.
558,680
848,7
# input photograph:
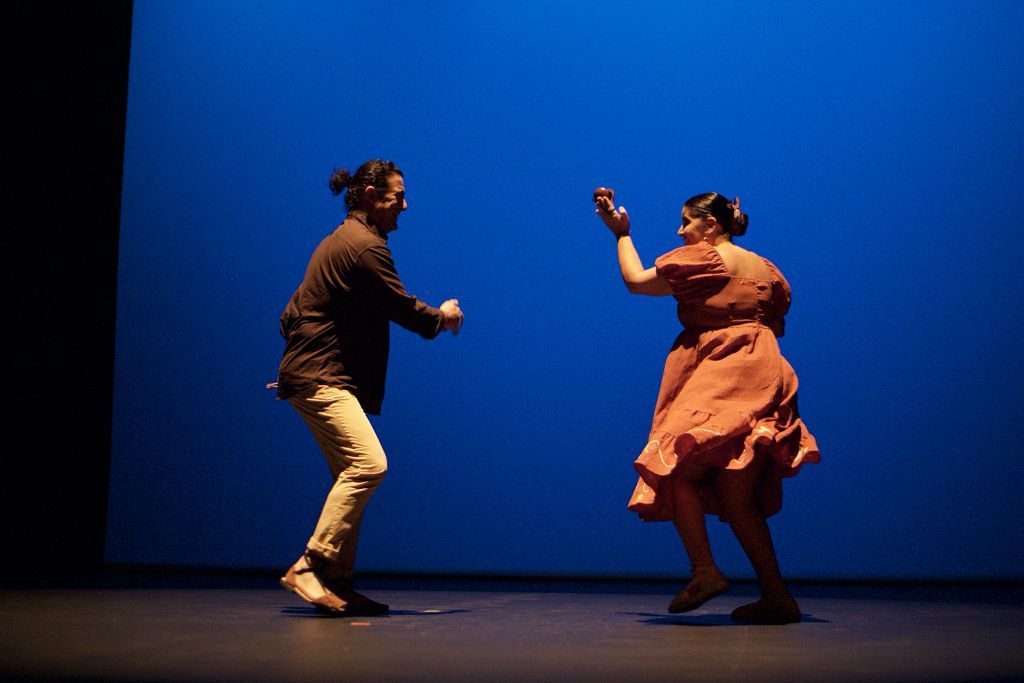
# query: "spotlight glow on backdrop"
875,146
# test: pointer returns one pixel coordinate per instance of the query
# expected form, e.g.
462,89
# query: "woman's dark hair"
374,172
714,204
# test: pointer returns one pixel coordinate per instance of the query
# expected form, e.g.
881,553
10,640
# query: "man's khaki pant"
357,462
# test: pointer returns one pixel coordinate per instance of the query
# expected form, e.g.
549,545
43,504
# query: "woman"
726,428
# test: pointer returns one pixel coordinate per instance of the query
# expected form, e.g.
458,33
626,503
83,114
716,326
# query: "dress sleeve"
782,296
692,271
386,292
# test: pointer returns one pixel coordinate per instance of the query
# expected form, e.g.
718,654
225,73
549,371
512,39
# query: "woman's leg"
689,514
707,581
735,491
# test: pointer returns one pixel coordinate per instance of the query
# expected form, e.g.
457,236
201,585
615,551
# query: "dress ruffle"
714,445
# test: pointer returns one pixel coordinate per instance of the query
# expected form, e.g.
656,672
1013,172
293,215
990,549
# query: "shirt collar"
361,216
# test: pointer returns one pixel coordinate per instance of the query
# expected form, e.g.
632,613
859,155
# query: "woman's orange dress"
726,391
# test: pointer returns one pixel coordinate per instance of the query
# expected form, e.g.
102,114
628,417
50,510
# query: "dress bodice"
708,297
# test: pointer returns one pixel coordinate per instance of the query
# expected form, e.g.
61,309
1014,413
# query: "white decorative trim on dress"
661,456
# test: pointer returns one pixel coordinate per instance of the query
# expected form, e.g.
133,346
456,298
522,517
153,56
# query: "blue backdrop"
875,145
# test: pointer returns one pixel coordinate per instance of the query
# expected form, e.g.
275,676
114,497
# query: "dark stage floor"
251,630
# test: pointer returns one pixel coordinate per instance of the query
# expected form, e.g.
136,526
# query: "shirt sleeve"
387,293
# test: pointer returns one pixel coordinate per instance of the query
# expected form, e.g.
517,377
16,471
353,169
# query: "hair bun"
739,224
339,180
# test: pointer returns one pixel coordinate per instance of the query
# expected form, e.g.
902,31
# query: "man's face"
388,202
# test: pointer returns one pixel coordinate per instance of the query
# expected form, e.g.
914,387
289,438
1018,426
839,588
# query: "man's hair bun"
339,180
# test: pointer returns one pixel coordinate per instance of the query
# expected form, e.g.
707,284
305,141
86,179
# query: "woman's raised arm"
638,280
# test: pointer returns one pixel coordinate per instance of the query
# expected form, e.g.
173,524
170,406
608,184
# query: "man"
337,327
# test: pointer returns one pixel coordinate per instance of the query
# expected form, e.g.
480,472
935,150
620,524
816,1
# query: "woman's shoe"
781,611
705,584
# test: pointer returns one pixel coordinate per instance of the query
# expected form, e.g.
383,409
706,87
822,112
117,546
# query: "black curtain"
68,97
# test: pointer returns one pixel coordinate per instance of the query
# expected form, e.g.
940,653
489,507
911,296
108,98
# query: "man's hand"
453,316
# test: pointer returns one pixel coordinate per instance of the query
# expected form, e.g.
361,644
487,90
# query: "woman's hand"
617,221
453,315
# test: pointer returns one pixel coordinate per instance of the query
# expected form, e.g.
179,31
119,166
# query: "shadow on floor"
315,613
706,620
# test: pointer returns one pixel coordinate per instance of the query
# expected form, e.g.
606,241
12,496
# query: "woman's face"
693,228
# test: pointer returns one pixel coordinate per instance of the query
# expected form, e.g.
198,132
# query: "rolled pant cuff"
324,551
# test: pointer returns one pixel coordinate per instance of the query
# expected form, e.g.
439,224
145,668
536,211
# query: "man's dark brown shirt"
336,325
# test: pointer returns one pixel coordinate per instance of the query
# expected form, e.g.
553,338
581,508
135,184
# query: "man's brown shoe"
357,603
303,581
